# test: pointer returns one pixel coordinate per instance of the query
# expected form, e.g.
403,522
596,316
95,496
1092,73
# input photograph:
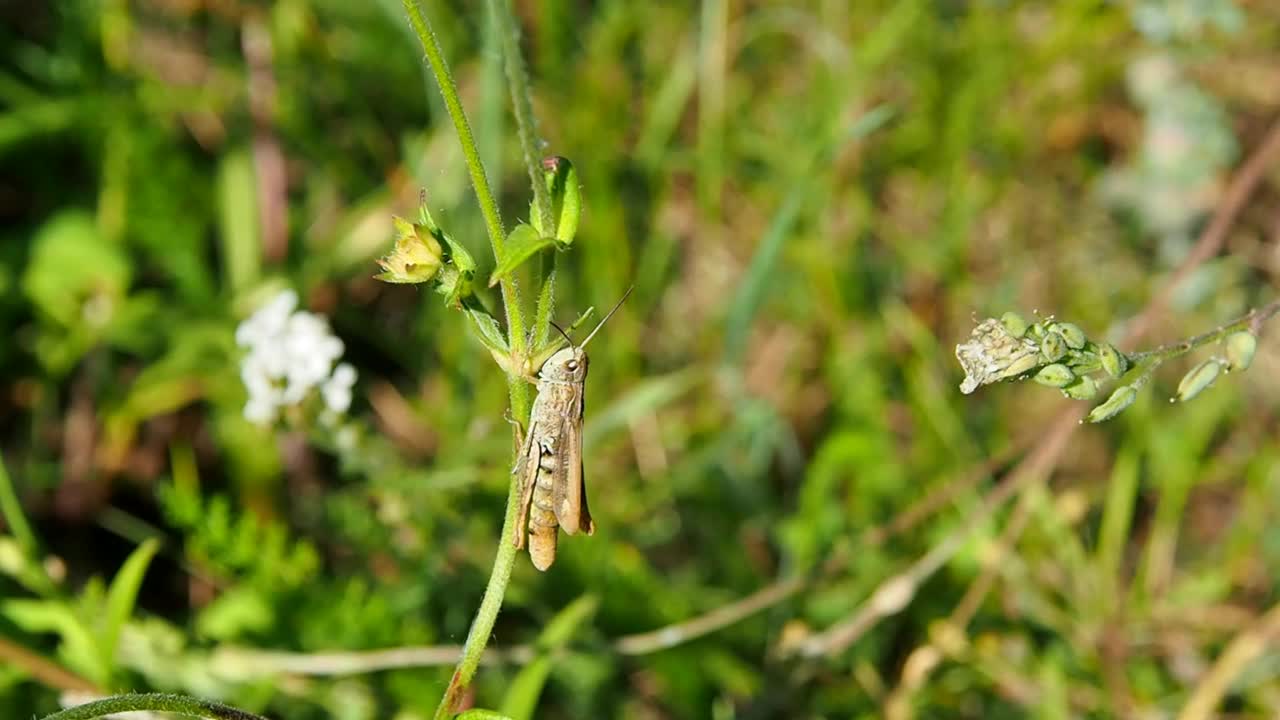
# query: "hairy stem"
1145,363
530,145
522,105
519,390
1251,321
482,625
153,702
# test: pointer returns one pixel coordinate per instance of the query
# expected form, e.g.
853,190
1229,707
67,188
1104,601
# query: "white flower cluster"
290,355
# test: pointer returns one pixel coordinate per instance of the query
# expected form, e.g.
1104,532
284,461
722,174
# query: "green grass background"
814,201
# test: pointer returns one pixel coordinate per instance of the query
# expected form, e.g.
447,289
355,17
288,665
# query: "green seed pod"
566,202
1084,388
1014,323
1055,375
1113,361
1072,334
1240,349
1198,378
1053,347
1022,364
1122,398
1084,362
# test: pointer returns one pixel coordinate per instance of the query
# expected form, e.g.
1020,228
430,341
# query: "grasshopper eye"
572,365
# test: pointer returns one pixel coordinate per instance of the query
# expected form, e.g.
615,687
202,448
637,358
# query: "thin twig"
1210,242
895,594
43,670
721,617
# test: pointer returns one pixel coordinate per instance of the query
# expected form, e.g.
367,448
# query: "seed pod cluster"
1060,355
1052,353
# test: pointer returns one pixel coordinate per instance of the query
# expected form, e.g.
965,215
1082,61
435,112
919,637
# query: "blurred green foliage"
813,200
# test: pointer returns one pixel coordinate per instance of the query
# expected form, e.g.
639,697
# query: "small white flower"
337,391
290,355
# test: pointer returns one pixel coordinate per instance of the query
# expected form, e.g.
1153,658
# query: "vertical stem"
487,614
484,195
531,147
522,105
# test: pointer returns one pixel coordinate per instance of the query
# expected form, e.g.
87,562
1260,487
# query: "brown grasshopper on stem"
549,467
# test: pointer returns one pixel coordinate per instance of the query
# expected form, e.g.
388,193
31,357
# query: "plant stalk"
504,560
153,702
519,390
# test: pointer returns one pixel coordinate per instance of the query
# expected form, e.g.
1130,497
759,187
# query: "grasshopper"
549,466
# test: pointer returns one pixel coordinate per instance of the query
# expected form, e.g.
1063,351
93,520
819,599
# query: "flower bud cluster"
290,355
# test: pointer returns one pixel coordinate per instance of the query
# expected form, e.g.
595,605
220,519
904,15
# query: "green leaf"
522,695
523,243
457,273
123,594
487,329
71,264
480,714
14,518
28,570
238,220
523,692
566,201
79,649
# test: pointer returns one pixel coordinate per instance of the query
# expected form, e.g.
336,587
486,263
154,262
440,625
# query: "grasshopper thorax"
568,365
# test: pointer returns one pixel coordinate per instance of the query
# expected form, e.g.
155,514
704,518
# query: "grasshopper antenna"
606,317
563,333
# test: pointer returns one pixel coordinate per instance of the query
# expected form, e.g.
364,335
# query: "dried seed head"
1122,398
994,354
1240,349
1198,378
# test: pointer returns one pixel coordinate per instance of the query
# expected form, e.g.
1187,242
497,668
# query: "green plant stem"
153,702
482,625
530,145
522,106
1146,362
1251,321
519,389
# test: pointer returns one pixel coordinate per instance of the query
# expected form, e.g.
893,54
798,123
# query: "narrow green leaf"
480,714
123,594
487,329
79,650
523,243
523,693
238,220
31,573
13,515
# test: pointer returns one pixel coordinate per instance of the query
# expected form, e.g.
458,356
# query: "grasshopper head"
567,365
